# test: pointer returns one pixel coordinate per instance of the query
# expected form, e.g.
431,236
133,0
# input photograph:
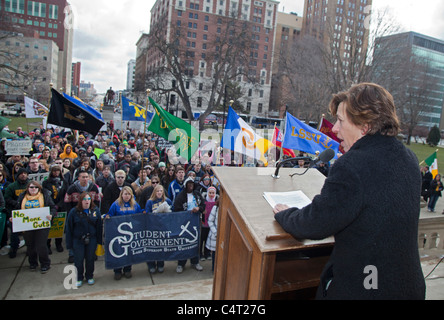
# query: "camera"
85,238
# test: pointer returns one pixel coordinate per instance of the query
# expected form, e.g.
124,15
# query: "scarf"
31,202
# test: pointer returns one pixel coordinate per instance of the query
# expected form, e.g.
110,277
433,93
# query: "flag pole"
27,124
49,105
148,91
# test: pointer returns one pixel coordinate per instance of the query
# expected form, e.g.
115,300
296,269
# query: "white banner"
30,219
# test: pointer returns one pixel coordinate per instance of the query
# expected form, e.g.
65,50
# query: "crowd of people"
129,175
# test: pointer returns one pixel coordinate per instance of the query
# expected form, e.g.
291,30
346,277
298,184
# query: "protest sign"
38,177
138,238
58,226
30,219
18,147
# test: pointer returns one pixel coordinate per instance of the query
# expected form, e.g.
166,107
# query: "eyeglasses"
33,162
120,177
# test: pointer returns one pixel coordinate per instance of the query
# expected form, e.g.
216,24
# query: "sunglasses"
154,182
33,187
86,199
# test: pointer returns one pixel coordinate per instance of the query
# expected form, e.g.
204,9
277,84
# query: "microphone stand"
280,163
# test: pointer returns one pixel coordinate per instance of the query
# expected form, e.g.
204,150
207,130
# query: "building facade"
201,24
130,75
44,19
288,30
343,27
423,94
75,82
34,64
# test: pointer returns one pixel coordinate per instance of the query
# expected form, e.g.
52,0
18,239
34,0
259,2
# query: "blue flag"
302,137
137,238
133,112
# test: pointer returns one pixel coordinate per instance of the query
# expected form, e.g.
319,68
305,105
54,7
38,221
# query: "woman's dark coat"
370,202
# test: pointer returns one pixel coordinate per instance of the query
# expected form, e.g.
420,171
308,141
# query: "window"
53,11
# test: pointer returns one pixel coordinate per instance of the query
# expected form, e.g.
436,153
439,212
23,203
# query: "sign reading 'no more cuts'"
30,219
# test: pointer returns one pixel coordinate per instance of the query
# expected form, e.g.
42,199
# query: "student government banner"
138,238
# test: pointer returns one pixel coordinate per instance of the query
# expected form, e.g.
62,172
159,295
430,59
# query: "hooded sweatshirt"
71,155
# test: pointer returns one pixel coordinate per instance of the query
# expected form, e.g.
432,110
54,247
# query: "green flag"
4,122
432,162
183,135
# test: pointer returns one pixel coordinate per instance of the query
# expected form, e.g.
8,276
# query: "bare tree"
224,60
318,68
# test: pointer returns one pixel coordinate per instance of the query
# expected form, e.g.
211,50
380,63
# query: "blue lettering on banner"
137,238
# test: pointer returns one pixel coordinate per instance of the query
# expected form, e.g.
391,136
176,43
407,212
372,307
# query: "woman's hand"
280,207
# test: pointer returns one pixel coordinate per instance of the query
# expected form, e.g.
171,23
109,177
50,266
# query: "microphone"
325,156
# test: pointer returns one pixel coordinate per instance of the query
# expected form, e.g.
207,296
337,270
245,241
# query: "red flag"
327,129
277,141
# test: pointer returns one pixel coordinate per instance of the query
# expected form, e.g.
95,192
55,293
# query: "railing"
431,233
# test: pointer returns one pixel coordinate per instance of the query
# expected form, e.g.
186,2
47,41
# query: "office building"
130,75
201,24
43,19
288,30
423,93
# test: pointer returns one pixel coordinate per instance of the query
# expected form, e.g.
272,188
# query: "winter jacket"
212,235
79,224
110,194
74,191
152,205
117,210
370,203
181,201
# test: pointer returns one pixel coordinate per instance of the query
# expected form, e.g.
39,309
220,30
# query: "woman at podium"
370,202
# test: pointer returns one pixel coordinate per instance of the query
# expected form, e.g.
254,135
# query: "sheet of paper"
293,199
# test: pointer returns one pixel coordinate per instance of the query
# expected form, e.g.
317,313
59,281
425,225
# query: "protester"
140,184
177,185
72,196
37,251
57,187
68,153
435,192
168,177
189,200
210,197
124,205
212,235
113,190
427,177
372,222
158,203
83,234
12,193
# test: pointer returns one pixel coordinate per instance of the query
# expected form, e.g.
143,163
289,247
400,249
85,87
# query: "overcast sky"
106,32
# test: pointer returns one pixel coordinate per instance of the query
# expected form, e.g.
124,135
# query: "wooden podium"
255,258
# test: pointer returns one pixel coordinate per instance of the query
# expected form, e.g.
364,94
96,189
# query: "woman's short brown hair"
371,104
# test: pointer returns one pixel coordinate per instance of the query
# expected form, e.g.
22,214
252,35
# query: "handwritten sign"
38,177
18,147
58,226
31,219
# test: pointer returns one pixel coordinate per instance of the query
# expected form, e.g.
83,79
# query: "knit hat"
21,170
162,164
